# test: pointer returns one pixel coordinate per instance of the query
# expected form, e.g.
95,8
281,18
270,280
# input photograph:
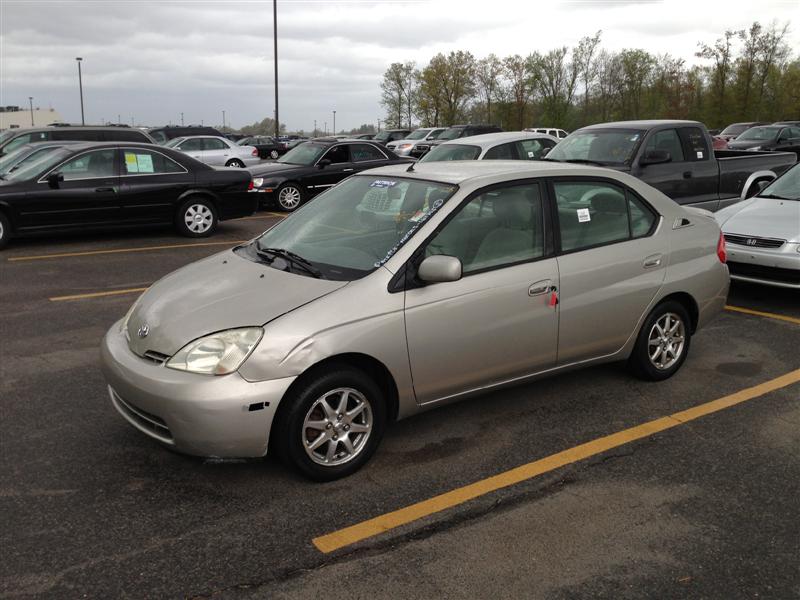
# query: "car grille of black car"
767,273
149,423
753,241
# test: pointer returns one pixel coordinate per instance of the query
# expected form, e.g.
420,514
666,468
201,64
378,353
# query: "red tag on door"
553,298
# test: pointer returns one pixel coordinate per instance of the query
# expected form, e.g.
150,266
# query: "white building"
12,117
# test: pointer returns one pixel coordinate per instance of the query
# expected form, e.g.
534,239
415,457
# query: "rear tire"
663,342
5,230
273,154
196,218
235,163
331,424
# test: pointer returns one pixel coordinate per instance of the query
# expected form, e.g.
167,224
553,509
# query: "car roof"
78,146
487,140
645,123
460,171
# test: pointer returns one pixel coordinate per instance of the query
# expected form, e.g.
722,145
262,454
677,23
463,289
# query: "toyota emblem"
143,331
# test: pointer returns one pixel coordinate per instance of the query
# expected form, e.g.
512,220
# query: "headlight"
755,148
258,182
217,354
404,146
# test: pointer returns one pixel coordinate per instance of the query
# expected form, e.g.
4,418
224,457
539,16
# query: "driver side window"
99,163
666,140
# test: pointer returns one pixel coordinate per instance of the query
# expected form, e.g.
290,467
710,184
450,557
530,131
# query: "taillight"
250,186
721,254
255,152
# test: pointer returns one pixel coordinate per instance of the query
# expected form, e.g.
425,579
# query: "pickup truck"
675,157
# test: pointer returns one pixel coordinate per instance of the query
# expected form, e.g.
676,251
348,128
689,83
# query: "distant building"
12,117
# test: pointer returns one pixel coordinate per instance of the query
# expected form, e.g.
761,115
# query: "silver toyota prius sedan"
404,288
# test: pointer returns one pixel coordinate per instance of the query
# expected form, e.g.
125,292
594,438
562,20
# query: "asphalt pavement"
91,508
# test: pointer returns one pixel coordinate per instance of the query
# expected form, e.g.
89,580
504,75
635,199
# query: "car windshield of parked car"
602,146
452,152
759,134
38,166
786,187
451,133
734,129
304,154
419,134
12,158
174,142
382,136
353,228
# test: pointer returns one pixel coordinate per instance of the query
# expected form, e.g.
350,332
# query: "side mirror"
54,179
655,157
545,152
439,268
323,163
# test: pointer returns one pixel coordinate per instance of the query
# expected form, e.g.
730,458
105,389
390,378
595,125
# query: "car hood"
269,169
221,292
762,217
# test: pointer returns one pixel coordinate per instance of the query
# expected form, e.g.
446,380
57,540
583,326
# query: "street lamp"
223,119
275,42
325,128
30,99
181,119
334,122
315,128
80,87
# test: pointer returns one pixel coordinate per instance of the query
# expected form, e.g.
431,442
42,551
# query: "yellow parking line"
96,294
123,250
759,313
386,522
268,215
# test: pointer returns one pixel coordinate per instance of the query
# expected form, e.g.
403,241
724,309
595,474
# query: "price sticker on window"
583,215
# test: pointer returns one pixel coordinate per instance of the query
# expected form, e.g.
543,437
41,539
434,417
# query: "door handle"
540,287
687,174
347,170
652,261
105,189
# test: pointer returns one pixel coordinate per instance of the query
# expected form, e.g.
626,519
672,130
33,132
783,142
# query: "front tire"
235,163
5,230
663,342
331,424
289,197
196,218
273,154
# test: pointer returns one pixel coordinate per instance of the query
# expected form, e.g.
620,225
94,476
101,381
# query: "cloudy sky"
150,61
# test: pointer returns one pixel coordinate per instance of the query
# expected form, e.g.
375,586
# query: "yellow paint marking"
386,522
269,215
124,250
96,295
759,313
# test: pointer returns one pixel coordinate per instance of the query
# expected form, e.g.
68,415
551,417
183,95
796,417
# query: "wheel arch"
755,177
207,194
689,303
8,213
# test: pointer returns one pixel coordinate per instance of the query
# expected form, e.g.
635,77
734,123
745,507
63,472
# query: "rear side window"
145,162
192,145
598,213
502,152
213,144
365,152
666,140
534,149
694,144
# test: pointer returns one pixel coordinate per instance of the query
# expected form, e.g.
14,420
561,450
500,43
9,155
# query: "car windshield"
353,228
604,146
40,165
786,187
451,133
304,154
174,142
759,134
735,129
382,136
159,136
21,156
12,158
7,135
418,134
452,152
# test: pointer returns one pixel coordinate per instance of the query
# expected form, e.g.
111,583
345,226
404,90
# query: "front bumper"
225,416
779,267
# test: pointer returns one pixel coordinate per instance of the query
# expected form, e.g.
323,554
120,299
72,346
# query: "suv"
556,133
390,135
452,133
169,132
420,136
14,138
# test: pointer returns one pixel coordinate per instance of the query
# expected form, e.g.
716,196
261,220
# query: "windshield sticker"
130,162
583,215
531,154
700,155
382,183
139,163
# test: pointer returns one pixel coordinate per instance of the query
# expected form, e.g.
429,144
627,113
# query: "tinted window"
24,139
502,152
533,149
794,132
365,152
98,163
452,152
606,146
213,144
590,214
337,154
642,218
139,162
694,144
497,228
159,136
125,135
73,135
192,145
668,141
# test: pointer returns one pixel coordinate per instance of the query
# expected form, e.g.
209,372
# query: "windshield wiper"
295,259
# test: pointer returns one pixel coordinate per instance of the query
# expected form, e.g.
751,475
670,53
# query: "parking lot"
702,504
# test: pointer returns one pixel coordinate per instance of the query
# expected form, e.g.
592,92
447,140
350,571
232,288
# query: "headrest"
609,202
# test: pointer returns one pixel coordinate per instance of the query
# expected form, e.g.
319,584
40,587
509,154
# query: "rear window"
452,152
126,135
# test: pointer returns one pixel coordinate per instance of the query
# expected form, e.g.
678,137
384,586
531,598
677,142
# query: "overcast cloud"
150,61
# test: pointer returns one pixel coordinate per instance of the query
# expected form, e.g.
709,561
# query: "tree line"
744,75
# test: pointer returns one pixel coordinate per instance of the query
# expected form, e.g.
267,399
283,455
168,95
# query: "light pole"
181,119
119,118
30,99
379,125
275,42
80,87
334,122
315,128
223,119
325,128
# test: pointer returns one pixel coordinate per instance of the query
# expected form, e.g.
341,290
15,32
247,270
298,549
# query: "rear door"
194,148
611,265
150,185
88,195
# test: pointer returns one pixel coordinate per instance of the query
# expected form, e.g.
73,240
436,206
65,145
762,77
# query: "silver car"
308,340
405,146
505,145
762,234
216,151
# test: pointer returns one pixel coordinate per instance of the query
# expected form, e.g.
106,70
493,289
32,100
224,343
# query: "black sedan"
314,166
267,146
780,138
110,185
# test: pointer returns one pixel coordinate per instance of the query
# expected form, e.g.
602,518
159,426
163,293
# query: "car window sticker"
583,215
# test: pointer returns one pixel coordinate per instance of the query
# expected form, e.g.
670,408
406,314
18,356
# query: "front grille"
156,357
768,273
753,241
150,423
421,148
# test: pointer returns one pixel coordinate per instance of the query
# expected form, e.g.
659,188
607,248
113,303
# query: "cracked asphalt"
91,508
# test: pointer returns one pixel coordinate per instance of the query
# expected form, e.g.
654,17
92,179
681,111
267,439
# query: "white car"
404,147
506,145
556,133
762,234
216,151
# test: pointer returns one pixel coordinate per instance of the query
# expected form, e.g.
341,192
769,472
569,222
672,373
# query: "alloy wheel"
289,197
666,341
337,427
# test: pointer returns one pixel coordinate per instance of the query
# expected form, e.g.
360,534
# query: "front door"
498,322
339,167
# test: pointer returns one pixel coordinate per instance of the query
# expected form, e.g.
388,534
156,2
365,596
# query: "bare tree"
585,56
487,74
